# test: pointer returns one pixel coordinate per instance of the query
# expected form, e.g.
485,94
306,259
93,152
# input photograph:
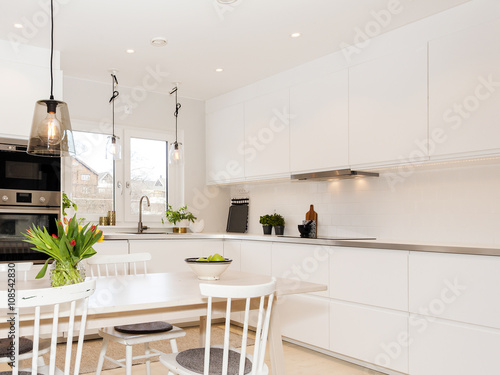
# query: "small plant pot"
279,230
179,229
267,229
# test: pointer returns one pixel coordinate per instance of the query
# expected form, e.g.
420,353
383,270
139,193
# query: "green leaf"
43,270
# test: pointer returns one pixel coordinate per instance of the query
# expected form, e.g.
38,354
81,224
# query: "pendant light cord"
176,113
115,94
51,48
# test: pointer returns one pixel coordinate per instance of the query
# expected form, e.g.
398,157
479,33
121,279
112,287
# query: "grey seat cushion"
194,359
144,328
19,373
25,345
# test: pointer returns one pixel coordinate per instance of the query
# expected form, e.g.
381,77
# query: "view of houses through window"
93,175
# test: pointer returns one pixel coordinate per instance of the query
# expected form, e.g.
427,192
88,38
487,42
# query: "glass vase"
64,273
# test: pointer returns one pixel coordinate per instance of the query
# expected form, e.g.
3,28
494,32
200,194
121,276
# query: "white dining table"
175,296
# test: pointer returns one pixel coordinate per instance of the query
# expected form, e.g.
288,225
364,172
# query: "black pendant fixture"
113,147
51,133
176,151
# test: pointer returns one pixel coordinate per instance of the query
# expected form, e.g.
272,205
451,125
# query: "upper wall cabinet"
319,124
464,93
388,110
267,136
225,133
21,85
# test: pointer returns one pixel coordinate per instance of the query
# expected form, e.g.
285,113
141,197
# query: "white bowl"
208,270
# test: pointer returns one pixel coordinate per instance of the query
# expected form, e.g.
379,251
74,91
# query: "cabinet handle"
127,185
119,186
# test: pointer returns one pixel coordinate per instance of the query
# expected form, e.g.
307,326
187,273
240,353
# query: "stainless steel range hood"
338,174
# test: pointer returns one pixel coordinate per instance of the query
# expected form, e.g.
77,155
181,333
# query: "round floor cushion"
193,359
19,373
25,345
144,328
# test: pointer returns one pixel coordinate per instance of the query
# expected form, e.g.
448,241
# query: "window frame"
121,171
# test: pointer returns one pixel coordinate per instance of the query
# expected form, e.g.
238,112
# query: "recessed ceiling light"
158,41
295,35
18,26
218,70
226,1
130,51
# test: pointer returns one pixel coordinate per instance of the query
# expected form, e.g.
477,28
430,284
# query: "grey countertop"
359,243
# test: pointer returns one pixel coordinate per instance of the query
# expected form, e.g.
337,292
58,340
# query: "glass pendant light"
51,133
176,151
113,147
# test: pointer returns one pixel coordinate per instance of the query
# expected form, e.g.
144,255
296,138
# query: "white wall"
456,203
88,101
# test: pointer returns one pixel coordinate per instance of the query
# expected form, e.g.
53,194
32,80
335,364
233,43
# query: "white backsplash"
456,204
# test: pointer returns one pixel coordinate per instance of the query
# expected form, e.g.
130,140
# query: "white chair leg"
173,345
148,360
100,362
128,360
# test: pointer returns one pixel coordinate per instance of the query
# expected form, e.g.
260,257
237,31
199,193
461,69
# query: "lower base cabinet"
305,318
441,347
374,335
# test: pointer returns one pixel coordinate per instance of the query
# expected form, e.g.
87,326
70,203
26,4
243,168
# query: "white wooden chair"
131,334
25,343
224,360
47,306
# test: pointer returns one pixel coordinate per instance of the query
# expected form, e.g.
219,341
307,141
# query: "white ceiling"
249,39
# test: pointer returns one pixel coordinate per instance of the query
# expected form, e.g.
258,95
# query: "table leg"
203,330
275,342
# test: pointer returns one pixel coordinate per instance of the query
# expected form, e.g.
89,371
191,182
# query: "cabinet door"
464,94
21,85
267,136
319,124
388,110
457,287
305,318
256,257
370,276
232,250
224,145
301,262
373,335
169,255
440,347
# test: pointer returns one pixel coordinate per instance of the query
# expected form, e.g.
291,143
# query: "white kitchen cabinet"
374,335
232,250
225,133
458,287
301,262
441,347
370,276
388,110
267,136
22,84
306,318
169,255
256,257
464,94
319,134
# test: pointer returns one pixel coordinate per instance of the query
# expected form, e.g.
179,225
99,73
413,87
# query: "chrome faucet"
140,227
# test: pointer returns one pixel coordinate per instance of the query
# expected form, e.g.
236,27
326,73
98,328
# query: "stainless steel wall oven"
30,193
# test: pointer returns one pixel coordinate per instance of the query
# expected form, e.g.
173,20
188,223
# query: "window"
99,185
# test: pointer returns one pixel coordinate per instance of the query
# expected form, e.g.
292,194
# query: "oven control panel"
31,198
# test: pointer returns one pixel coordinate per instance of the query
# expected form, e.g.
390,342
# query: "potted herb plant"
278,222
176,216
267,227
67,248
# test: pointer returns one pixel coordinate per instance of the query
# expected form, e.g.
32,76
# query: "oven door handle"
28,210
